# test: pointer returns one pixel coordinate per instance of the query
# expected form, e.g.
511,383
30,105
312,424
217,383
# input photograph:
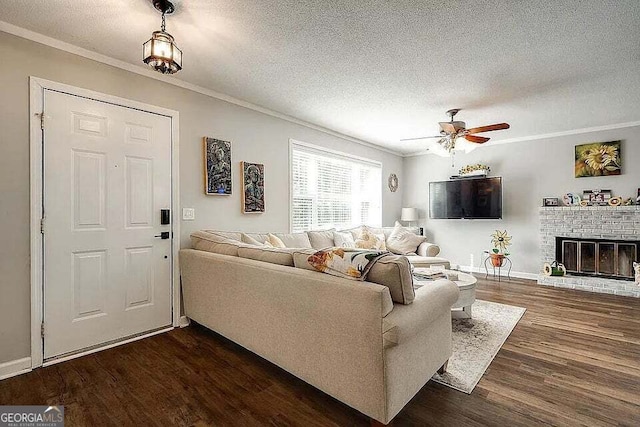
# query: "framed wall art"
217,167
253,187
550,201
598,159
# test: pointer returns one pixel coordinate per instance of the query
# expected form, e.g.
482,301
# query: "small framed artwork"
217,167
550,201
638,198
596,197
598,159
253,187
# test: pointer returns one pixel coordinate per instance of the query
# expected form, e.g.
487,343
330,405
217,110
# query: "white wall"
256,137
531,170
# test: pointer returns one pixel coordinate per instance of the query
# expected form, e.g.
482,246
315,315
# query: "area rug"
476,342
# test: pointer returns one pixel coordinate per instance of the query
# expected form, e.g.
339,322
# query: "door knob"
163,235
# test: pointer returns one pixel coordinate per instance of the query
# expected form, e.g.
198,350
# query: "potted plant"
500,240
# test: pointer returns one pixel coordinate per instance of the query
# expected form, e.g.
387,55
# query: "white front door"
107,175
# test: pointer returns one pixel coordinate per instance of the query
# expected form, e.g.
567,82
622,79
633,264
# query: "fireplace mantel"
620,223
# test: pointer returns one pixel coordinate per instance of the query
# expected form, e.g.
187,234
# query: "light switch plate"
188,214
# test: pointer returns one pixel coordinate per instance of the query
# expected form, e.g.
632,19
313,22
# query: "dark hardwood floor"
574,359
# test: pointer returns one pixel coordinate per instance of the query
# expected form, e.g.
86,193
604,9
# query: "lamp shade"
409,214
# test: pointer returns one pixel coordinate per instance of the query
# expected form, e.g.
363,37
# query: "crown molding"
547,135
143,71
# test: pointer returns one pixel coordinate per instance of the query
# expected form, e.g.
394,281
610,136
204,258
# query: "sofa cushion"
370,240
275,241
212,242
394,272
343,239
245,238
402,241
301,258
233,235
294,240
321,239
270,255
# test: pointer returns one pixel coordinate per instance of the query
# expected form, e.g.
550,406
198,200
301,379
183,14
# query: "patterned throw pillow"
636,269
369,240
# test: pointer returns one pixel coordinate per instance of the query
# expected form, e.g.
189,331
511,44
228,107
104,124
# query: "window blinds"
333,190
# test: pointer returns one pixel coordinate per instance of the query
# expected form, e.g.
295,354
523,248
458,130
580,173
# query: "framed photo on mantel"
596,197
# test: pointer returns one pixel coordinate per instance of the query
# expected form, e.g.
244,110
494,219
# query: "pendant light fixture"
160,51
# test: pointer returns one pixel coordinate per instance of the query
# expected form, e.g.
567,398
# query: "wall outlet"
188,214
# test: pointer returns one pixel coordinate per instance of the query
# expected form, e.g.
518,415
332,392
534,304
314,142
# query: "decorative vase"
497,260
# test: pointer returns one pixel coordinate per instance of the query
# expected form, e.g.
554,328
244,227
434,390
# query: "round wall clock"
393,182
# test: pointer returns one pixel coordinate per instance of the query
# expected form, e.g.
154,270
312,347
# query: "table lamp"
409,214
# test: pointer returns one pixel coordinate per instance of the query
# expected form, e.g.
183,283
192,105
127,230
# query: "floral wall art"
598,159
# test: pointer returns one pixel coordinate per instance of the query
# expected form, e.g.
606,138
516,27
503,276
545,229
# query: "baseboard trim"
15,367
184,322
516,274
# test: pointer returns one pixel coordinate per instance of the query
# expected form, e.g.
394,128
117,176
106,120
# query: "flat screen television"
471,198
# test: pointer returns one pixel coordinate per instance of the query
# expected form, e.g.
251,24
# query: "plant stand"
506,264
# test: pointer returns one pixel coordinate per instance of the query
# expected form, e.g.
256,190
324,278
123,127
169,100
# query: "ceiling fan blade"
422,137
447,127
476,139
497,126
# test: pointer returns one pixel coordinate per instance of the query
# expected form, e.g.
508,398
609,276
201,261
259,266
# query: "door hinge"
42,225
42,329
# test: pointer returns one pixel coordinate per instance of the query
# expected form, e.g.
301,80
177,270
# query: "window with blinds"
333,190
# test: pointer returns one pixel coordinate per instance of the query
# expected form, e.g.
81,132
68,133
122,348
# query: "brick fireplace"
598,244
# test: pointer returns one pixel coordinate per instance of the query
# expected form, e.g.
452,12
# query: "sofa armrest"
427,249
432,300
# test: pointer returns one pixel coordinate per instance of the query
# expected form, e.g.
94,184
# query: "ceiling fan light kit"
160,52
451,131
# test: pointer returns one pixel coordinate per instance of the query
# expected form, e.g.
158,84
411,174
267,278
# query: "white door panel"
107,174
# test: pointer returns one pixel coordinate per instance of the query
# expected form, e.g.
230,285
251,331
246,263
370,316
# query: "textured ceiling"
384,70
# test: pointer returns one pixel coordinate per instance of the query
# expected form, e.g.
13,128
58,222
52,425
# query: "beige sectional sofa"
347,338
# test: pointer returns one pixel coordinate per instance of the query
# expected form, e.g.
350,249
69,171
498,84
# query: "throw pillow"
369,240
321,239
276,242
343,239
402,241
636,269
250,240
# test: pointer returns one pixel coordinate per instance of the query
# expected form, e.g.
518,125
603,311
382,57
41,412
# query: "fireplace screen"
597,257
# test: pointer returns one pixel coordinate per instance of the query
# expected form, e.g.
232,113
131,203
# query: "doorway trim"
37,86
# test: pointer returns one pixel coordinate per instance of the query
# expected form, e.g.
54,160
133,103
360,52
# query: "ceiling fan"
452,130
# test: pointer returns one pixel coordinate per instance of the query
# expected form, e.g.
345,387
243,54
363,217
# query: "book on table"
422,273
